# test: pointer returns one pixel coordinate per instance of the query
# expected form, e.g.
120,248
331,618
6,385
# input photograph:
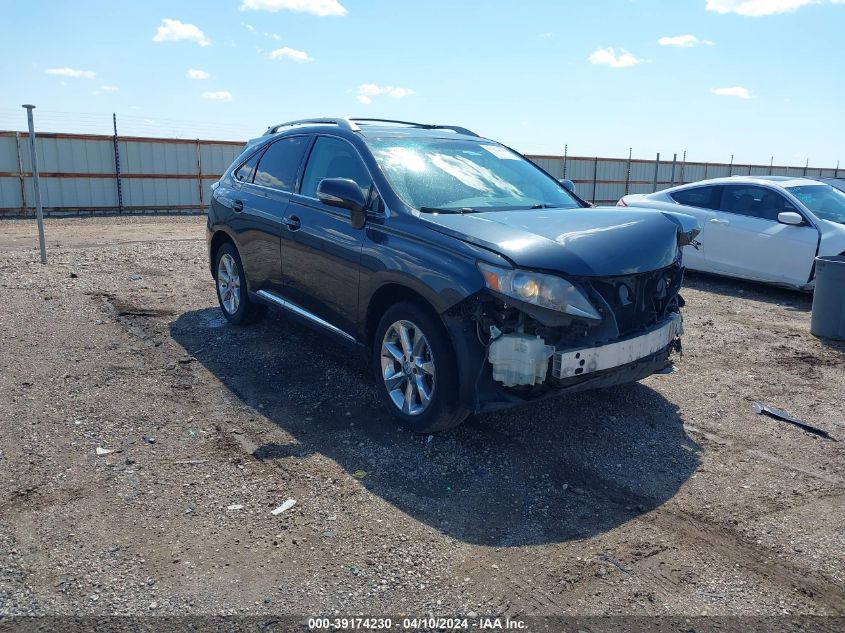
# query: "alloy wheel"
228,283
407,367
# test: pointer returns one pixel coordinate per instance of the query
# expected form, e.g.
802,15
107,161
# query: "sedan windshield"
464,176
824,201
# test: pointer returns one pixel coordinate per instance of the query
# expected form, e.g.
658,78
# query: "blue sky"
753,78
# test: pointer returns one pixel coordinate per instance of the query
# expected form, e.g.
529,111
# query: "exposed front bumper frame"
574,363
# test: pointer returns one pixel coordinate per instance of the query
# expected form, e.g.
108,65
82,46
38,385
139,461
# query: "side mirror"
344,194
790,217
567,184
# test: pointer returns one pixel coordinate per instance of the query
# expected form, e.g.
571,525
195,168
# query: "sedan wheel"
407,367
228,283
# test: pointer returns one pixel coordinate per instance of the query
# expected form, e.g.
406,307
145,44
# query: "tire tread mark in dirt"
732,547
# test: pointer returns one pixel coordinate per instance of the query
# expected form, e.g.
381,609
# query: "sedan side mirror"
567,184
790,217
344,193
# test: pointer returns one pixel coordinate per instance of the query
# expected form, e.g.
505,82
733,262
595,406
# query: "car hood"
590,242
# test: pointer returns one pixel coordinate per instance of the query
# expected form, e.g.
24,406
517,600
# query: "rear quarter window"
246,171
702,197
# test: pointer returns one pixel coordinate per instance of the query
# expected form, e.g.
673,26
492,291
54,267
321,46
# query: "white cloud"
315,7
273,36
174,30
287,52
548,35
608,57
108,88
195,73
683,41
219,95
736,91
249,27
366,92
756,8
72,72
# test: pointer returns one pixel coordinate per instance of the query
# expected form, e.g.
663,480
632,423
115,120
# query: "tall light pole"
33,155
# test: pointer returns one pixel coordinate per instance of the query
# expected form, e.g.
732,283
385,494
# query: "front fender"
442,270
688,227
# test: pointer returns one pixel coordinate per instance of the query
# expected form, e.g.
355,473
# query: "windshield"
825,201
463,175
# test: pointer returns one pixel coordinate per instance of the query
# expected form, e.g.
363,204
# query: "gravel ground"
667,497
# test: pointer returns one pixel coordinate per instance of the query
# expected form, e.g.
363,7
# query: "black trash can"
829,298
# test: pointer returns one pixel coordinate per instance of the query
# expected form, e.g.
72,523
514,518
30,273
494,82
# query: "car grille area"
640,300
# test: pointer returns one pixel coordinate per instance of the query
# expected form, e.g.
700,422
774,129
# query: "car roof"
777,181
373,128
379,131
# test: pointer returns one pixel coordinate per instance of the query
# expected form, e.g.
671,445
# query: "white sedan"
767,229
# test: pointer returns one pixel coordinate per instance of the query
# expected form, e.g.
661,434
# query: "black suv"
471,278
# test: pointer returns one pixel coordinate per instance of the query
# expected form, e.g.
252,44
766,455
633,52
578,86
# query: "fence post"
806,164
565,150
836,171
39,211
683,167
117,166
731,166
199,173
771,165
674,163
706,165
656,167
20,173
628,171
595,175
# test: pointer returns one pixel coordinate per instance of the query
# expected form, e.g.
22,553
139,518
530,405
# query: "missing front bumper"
574,363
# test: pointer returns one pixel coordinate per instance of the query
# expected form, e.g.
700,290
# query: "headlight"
545,291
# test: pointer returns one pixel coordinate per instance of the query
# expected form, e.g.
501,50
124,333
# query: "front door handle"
717,221
292,222
238,205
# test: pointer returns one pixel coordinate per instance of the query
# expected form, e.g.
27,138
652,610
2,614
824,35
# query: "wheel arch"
218,238
387,295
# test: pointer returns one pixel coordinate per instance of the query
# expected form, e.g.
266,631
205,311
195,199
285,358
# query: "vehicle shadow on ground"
561,469
726,286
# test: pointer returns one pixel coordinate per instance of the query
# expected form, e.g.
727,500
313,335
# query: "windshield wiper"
457,211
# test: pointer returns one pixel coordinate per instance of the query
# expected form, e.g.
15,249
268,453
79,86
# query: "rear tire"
415,370
232,294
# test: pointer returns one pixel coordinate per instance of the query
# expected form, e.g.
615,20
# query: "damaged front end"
537,335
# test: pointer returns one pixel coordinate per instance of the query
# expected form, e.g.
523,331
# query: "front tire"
231,287
415,370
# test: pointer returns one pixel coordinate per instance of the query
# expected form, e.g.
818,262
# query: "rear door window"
279,165
701,197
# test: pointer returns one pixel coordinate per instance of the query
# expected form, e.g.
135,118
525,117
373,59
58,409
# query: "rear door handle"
717,221
292,222
238,205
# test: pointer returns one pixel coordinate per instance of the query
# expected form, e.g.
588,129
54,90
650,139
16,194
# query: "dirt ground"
667,497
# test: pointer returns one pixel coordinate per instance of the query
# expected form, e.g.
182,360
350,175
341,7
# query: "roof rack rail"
346,124
425,126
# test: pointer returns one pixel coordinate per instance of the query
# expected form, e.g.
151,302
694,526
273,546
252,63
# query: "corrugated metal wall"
78,174
605,180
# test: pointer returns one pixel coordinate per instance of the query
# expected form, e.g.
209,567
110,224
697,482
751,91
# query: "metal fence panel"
75,193
217,157
79,172
160,192
8,154
148,157
10,193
